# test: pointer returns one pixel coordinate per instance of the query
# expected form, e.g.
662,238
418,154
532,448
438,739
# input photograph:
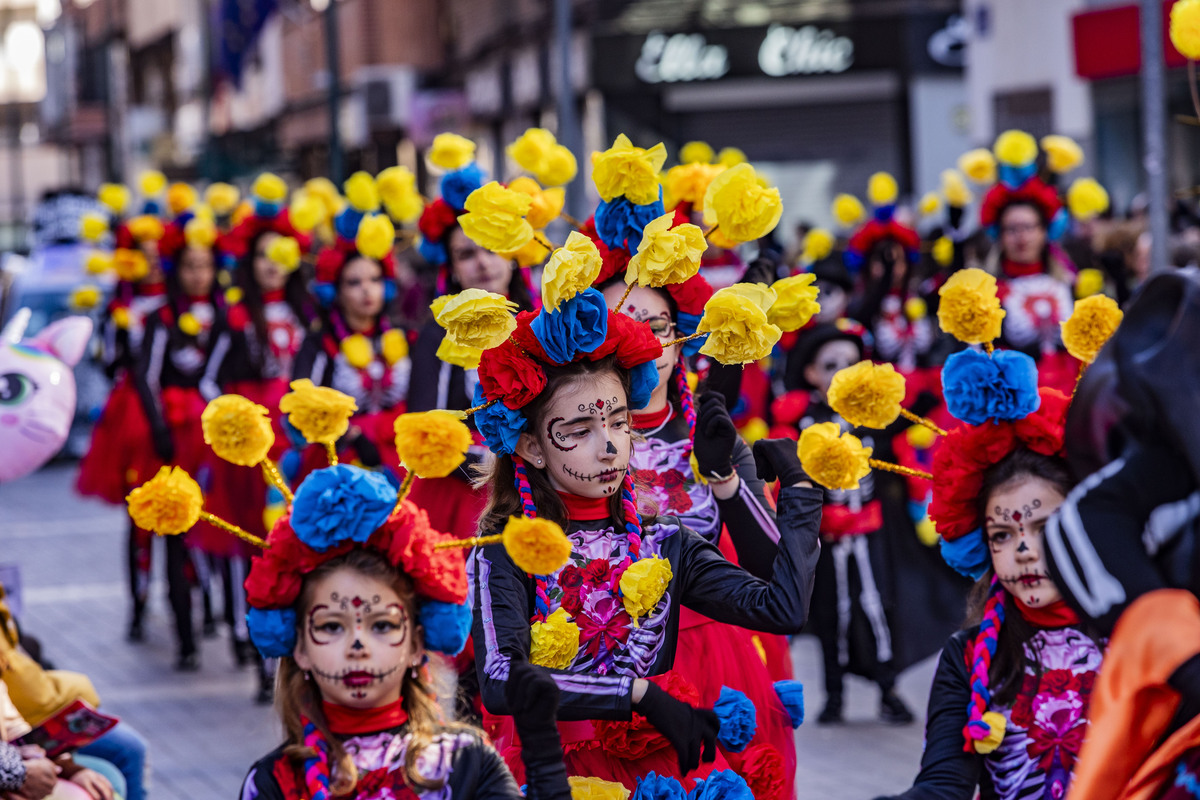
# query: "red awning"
1108,44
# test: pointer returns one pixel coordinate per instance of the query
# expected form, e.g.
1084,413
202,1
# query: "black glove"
366,450
715,436
954,215
726,379
164,445
691,731
777,459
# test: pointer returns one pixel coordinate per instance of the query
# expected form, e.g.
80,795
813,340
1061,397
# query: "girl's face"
831,358
477,268
1022,234
269,276
361,290
1016,516
358,640
155,273
584,441
196,271
648,306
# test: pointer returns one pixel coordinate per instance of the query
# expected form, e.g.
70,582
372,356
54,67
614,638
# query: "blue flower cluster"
686,325
346,223
457,185
643,381
446,626
580,325
979,387
738,718
658,787
723,785
791,694
968,555
273,631
339,504
620,223
499,425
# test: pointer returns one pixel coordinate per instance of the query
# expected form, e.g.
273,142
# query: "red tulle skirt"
121,456
453,506
182,407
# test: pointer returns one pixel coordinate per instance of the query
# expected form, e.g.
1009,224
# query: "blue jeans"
125,749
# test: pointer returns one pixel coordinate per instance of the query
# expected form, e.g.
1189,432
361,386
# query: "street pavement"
204,729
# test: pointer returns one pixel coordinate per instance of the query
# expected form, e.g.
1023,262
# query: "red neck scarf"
345,721
1056,615
150,289
582,509
273,296
1013,269
199,299
644,422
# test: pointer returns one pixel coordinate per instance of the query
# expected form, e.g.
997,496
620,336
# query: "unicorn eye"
15,388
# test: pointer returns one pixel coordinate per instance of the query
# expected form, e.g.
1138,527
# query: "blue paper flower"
447,626
339,504
967,381
658,787
1015,395
1058,225
273,631
265,209
1014,177
433,252
346,223
620,223
578,326
723,785
968,555
643,379
791,694
686,325
738,718
500,425
457,185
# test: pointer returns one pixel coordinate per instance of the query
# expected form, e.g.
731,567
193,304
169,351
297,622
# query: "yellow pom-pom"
322,415
571,269
1063,153
222,198
189,324
306,211
533,253
735,318
451,151
85,298
376,236
920,437
795,302
943,251
930,204
696,153
730,157
1094,320
114,196
93,226
243,212
120,317
393,345
847,210
237,429
531,148
1087,198
818,244
432,444
129,264
867,395
558,168
398,191
269,187
537,546
997,725
643,585
200,232
169,503
146,228
234,295
97,263
926,531
545,204
755,428
1185,28
554,643
152,182
955,190
625,170
979,165
1015,148
476,318
324,190
688,183
361,192
459,355
740,206
666,255
495,218
1088,282
833,459
180,197
970,308
882,189
596,789
915,308
357,350
284,251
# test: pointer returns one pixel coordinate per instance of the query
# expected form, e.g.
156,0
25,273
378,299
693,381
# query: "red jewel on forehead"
356,602
1016,516
599,404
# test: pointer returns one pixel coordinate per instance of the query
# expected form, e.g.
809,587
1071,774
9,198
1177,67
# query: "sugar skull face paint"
1016,517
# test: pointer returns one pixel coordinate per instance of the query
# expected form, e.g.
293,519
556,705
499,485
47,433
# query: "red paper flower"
508,374
762,767
638,738
1034,191
436,219
691,295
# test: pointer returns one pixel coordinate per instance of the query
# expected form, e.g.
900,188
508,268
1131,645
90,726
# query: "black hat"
813,339
832,270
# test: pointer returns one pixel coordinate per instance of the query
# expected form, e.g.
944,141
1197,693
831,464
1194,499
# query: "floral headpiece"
456,156
269,214
882,192
363,229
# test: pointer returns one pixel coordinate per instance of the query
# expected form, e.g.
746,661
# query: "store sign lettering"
681,57
804,51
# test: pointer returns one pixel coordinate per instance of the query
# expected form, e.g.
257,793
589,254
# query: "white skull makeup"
649,306
1015,518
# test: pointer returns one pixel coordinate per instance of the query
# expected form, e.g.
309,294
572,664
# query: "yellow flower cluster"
1015,148
537,546
955,189
847,210
1086,198
1185,28
114,196
376,236
393,346
222,198
943,251
459,355
180,197
545,205
969,309
979,165
495,218
432,443
85,298
625,170
237,429
818,244
833,459
997,725
306,211
596,789
169,503
92,226
882,189
643,585
741,207
795,302
322,415
152,182
146,228
397,188
1088,282
867,395
735,318
284,251
534,252
688,183
451,151
1092,323
97,263
929,204
476,318
696,153
571,269
189,324
269,187
200,232
555,642
130,264
357,350
1063,153
361,192
666,255
730,157
537,151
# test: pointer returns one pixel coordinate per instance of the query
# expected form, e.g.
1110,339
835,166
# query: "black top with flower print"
12,768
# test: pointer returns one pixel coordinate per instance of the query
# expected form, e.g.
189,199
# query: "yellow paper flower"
322,415
237,429
114,196
1063,153
537,546
495,218
1092,323
730,157
243,212
306,211
558,168
393,345
180,197
222,198
588,788
1015,148
625,170
643,585
867,395
146,228
451,151
361,192
930,204
979,165
915,308
1086,198
738,329
234,295
882,189
555,642
169,503
459,355
571,269
120,317
129,264
546,204
739,206
997,725
755,428
477,318
969,309
943,251
357,350
795,302
376,236
818,244
93,226
831,458
530,150
1088,282
200,232
666,255
432,443
324,190
269,187
152,182
398,190
1185,28
533,253
696,153
688,183
284,251
85,298
847,210
189,324
97,263
955,189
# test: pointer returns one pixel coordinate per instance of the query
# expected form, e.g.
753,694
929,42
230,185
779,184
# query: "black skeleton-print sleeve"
12,768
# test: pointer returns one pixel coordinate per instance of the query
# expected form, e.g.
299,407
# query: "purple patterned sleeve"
12,768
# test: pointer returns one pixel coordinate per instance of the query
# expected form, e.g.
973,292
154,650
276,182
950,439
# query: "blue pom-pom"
446,625
326,292
580,325
273,631
499,425
433,252
968,555
791,694
458,185
723,785
853,260
265,209
658,787
1015,395
1015,177
339,504
643,380
620,223
967,380
686,325
1058,225
389,290
153,208
885,213
738,718
346,223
